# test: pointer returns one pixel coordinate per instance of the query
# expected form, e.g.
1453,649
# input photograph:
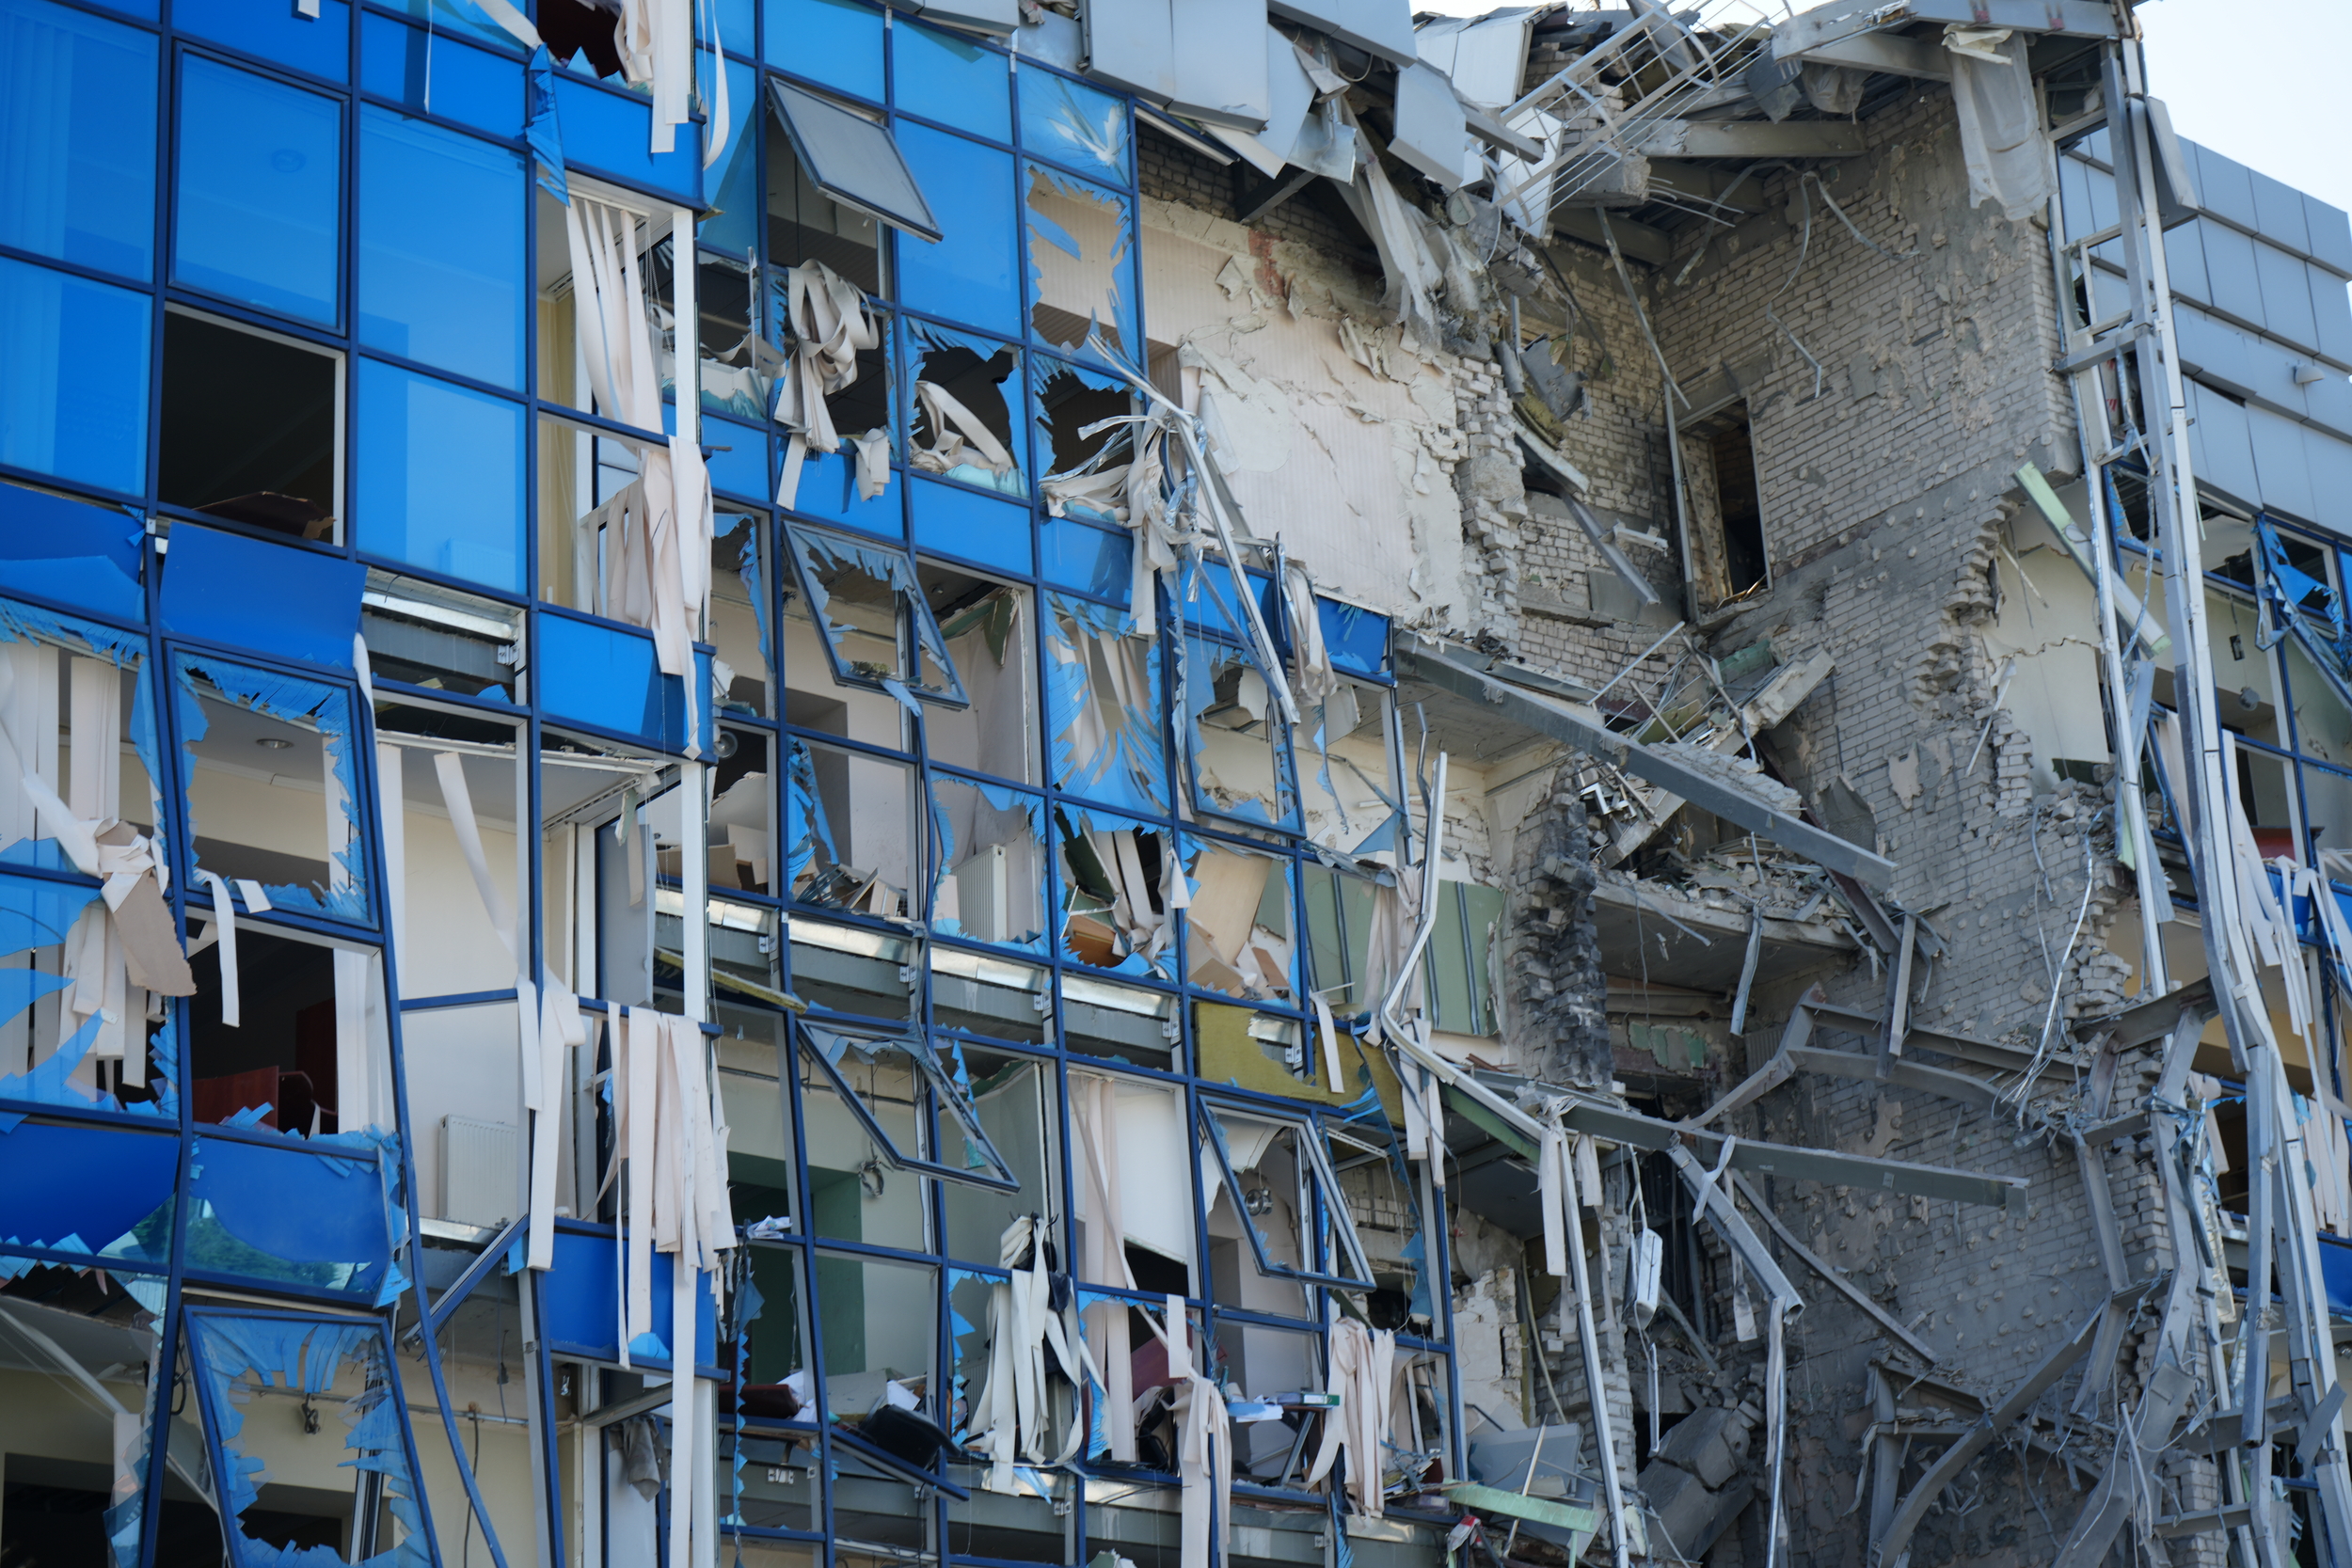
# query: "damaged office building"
1319,787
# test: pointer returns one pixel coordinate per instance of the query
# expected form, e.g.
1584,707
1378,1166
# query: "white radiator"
481,1170
984,895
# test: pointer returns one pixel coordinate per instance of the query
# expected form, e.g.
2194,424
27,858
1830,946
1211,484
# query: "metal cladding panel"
1431,129
2225,458
2287,295
1000,17
2235,287
2331,309
1385,28
2279,209
2331,481
2185,259
1290,95
2260,367
1130,44
2332,232
1218,79
2279,464
2226,188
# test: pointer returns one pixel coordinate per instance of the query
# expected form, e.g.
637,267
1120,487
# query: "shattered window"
1087,476
862,1100
990,630
984,994
1079,254
1073,124
1274,1176
878,1319
1384,1200
1013,1101
1117,881
988,844
849,826
1341,761
74,698
1104,692
265,1382
1239,934
960,422
272,784
742,817
252,427
740,366
771,1319
908,1070
58,983
1238,764
741,593
1127,1138
603,298
329,1218
875,620
592,523
287,1034
761,1175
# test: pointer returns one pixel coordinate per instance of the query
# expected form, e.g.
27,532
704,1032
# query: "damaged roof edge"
1434,664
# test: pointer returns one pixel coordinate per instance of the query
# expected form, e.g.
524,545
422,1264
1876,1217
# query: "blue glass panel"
434,74
829,490
577,1298
1357,638
73,369
603,675
838,42
952,521
456,16
736,22
1096,560
608,131
743,469
147,10
440,247
733,227
260,180
320,45
212,579
293,1217
72,552
1073,124
953,80
102,1190
78,180
972,276
440,477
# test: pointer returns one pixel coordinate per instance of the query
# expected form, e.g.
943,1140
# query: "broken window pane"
1079,267
806,225
1124,1024
1289,1211
439,477
1104,692
1267,1365
1341,764
742,811
95,1335
990,633
58,985
1461,946
937,1076
445,940
1385,1202
740,366
272,784
441,236
876,621
850,970
862,1101
260,191
1116,877
73,388
834,484
990,849
1238,926
65,681
267,1385
853,159
563,373
1129,1138
309,1053
1069,402
592,522
878,1319
776,1384
251,427
1014,1101
973,275
988,995
279,1214
1238,764
760,1148
960,422
440,638
1073,124
849,829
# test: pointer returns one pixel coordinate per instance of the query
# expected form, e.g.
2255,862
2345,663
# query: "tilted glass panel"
854,160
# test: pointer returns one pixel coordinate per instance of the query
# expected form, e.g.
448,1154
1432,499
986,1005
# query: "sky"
2259,82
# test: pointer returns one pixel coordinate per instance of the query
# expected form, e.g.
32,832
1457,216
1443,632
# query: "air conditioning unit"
481,1170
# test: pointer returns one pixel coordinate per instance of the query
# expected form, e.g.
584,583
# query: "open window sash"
821,560
1326,1183
854,160
826,1048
